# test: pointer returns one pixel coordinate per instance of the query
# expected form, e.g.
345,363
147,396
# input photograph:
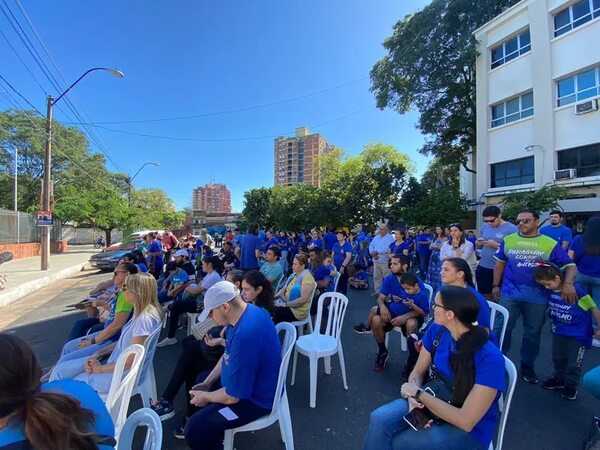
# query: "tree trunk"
107,232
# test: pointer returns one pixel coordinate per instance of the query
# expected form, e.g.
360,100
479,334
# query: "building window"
578,87
509,50
513,173
513,109
575,16
585,159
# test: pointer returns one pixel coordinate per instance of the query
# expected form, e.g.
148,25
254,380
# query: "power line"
20,95
230,111
24,63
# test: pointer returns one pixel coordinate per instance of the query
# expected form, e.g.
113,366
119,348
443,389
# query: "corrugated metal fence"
23,228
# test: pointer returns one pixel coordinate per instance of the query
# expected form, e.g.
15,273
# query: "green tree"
257,206
153,209
544,199
430,66
296,207
439,207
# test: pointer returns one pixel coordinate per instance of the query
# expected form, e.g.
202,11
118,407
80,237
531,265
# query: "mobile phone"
406,300
418,418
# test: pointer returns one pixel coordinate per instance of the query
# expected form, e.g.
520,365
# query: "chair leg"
342,365
387,340
294,367
403,344
285,423
313,381
228,441
327,361
310,325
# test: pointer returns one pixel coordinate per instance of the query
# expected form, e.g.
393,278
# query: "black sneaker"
529,375
381,361
179,432
163,408
569,392
362,329
553,383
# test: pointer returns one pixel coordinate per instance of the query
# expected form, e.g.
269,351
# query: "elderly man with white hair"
379,250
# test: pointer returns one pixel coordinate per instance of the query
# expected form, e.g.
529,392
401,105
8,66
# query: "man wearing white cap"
182,258
247,371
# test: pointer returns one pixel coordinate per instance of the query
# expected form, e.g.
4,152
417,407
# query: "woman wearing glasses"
473,368
141,292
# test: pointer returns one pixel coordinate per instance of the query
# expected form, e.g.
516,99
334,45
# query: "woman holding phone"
473,367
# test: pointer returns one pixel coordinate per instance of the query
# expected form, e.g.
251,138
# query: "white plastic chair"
496,309
122,384
336,280
146,384
281,407
281,283
192,317
144,417
403,343
299,324
505,401
317,345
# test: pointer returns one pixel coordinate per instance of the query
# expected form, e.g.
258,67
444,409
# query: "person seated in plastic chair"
140,291
119,314
178,280
64,414
241,387
296,296
475,375
211,265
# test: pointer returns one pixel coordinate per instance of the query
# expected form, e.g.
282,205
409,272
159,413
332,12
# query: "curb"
12,295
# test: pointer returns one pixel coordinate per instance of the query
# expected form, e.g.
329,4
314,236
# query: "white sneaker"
166,342
596,343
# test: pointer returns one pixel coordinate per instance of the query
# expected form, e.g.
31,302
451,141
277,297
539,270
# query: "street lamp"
130,179
47,182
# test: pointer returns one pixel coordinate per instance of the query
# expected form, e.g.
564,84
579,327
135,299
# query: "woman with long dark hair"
61,415
472,366
585,251
258,290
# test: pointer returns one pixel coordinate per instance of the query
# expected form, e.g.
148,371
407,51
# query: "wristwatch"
93,340
418,394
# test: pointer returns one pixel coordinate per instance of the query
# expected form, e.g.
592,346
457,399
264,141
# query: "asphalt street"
538,419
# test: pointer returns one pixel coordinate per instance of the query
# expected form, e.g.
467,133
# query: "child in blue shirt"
360,280
571,326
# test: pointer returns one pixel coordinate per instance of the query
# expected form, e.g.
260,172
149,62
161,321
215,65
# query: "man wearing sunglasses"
493,230
517,290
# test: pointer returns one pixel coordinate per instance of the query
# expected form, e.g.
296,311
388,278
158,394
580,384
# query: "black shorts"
485,279
389,327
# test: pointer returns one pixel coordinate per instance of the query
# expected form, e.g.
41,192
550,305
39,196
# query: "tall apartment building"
538,88
295,157
212,198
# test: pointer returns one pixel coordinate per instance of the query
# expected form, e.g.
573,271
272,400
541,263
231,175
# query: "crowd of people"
433,285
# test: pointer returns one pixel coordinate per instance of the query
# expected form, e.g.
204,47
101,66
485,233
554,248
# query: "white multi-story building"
538,90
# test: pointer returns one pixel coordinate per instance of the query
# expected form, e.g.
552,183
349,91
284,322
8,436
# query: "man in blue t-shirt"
423,241
249,250
248,370
516,289
329,239
271,240
556,230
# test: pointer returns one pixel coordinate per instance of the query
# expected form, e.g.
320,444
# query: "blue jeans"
423,264
534,316
591,381
389,431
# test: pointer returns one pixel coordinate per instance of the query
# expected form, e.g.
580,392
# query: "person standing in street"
379,250
423,241
249,250
516,289
556,230
342,254
493,230
169,243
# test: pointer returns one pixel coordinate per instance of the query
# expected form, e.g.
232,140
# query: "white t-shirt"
211,279
468,253
142,325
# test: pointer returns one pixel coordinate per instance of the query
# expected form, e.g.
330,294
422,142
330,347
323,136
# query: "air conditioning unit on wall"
565,174
586,107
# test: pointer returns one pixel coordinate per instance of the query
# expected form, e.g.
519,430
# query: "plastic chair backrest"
150,347
142,417
337,311
430,290
507,399
496,309
336,280
289,339
121,387
281,283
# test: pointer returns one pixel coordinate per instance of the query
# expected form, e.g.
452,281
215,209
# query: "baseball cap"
218,294
182,253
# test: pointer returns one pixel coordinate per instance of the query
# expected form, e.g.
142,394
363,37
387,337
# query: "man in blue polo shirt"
515,287
556,230
248,370
249,250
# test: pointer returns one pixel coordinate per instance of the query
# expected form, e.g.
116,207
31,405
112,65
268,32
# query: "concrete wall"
88,235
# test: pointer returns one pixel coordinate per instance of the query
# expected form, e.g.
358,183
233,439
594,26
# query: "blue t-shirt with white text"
395,293
573,320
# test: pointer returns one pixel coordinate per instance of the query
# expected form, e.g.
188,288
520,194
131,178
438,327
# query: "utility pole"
45,240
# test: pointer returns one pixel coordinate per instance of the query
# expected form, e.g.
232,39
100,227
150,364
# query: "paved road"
538,419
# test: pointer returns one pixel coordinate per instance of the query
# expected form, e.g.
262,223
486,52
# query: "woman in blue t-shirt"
61,414
473,365
584,250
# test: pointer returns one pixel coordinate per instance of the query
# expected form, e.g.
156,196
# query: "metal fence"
21,227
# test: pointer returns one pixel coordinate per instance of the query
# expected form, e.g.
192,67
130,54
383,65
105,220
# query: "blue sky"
199,57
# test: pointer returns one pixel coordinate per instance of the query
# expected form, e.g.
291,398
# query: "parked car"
108,260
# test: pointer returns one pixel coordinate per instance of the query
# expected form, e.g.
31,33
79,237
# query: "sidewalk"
24,276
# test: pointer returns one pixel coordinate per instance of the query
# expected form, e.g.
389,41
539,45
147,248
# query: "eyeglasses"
489,220
437,305
116,272
124,288
525,221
